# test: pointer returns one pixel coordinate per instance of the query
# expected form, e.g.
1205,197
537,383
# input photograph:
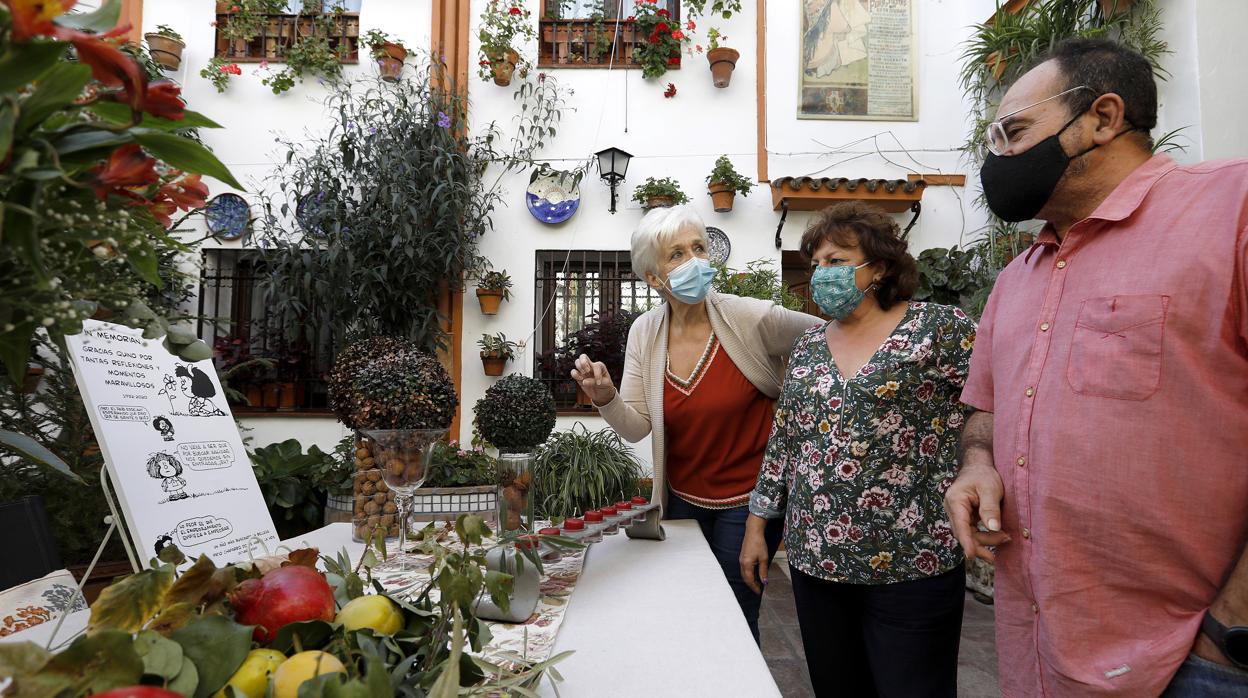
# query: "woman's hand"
753,557
594,380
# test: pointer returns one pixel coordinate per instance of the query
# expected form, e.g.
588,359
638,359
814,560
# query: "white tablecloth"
652,618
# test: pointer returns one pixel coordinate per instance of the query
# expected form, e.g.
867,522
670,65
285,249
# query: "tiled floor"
782,643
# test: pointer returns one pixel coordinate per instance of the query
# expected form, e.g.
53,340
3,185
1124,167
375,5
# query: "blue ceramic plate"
228,216
553,196
720,247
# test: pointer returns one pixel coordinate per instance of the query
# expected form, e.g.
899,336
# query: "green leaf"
312,634
194,583
21,658
118,113
8,119
181,336
161,656
187,680
56,89
195,351
92,664
217,646
78,141
24,63
185,154
31,450
129,603
98,22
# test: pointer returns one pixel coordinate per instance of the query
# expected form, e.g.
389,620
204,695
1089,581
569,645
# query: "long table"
653,618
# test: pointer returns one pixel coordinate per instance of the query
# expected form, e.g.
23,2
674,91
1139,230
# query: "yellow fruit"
373,611
301,667
252,677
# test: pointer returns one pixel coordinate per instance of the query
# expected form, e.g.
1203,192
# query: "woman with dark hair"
197,386
862,449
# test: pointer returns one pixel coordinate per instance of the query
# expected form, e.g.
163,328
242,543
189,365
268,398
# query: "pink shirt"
1116,364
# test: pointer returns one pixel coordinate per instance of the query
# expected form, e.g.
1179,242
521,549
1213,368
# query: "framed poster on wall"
858,60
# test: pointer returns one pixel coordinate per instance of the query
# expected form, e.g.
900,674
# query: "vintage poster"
858,60
173,452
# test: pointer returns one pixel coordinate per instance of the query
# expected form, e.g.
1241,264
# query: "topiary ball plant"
388,383
516,414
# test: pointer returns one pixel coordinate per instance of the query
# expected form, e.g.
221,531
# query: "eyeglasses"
994,135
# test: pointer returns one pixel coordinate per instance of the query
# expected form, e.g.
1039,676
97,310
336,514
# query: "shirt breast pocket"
1117,348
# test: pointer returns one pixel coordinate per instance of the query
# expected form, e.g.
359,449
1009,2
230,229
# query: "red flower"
662,27
128,166
653,38
233,69
235,8
631,19
698,48
514,11
112,68
678,35
164,100
483,62
186,194
670,91
34,17
663,13
674,60
690,25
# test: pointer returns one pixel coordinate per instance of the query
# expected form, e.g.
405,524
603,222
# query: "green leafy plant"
497,346
218,72
246,18
604,339
167,31
724,173
504,25
295,484
375,40
953,277
516,414
578,470
402,196
496,281
654,188
453,466
310,54
721,8
663,43
759,280
713,37
389,383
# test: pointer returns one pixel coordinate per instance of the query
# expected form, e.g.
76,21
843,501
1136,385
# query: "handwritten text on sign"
206,455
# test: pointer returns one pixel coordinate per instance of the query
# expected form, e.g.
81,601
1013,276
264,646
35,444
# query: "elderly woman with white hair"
701,375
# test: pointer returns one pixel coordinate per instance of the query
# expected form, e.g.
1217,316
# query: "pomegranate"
285,595
138,692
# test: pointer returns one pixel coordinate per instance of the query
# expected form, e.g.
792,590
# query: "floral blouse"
859,467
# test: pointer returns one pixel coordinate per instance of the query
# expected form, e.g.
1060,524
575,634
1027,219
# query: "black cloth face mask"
1018,186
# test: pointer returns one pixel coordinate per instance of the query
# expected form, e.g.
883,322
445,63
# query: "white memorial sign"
173,453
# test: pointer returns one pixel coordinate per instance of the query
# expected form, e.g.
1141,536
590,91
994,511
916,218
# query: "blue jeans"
1201,678
724,530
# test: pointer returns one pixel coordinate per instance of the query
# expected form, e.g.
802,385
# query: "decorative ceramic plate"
720,247
228,216
553,196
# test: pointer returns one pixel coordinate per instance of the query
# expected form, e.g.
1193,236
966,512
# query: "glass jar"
515,491
595,524
575,529
373,502
611,517
550,553
627,515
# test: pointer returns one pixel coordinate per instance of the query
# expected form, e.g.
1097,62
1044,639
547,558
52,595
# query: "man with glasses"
1106,465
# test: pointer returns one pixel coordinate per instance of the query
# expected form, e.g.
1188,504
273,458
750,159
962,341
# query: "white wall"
1222,54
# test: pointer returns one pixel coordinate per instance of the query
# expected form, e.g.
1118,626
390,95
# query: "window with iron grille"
572,289
277,32
241,327
591,33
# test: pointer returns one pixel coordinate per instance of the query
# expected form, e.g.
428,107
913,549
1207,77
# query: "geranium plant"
663,43
504,25
218,72
662,189
724,173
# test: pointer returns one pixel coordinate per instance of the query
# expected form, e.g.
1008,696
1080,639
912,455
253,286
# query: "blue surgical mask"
835,290
691,281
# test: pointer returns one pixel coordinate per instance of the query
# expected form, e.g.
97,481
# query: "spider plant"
578,470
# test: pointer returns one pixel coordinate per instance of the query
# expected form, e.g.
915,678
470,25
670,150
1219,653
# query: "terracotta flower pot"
493,365
504,67
389,68
165,50
582,397
30,383
254,395
659,202
722,196
490,299
723,61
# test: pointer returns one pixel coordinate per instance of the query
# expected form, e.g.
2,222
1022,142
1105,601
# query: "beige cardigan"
758,336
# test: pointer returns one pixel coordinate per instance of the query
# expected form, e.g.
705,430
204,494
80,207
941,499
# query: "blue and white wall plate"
553,196
719,245
228,216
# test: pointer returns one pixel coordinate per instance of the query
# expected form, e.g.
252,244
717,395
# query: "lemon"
301,667
373,611
252,677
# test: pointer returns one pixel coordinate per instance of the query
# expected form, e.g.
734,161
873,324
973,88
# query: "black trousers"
890,640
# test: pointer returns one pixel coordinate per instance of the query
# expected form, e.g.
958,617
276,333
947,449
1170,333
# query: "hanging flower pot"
490,300
165,50
504,66
722,196
659,202
723,61
30,383
494,365
390,60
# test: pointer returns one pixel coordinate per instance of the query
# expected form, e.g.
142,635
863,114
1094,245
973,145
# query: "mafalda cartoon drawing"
163,466
196,385
164,426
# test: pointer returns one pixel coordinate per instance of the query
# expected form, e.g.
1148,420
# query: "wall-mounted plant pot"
490,300
493,365
283,396
389,68
30,383
254,395
165,50
659,202
721,196
723,61
504,67
1113,8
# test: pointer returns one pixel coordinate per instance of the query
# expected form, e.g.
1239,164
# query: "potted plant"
759,280
655,193
503,25
660,40
461,480
496,351
516,415
166,46
604,339
578,470
724,183
384,384
723,60
492,290
388,53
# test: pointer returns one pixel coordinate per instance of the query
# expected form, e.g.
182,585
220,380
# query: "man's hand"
975,497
